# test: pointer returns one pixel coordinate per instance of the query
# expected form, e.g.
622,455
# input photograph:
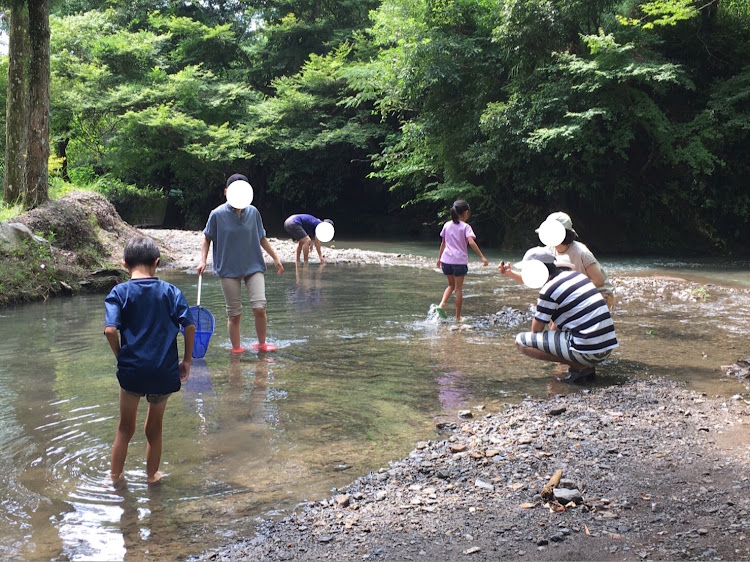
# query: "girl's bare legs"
154,419
448,290
125,431
459,296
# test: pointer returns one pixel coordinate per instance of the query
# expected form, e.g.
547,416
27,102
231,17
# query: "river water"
362,372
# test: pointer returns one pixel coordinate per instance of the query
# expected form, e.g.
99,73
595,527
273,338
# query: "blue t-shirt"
308,222
237,252
147,313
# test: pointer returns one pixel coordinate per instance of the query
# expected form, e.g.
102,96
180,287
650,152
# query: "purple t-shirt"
307,222
456,238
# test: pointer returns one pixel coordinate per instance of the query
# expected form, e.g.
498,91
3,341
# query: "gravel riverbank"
183,252
650,470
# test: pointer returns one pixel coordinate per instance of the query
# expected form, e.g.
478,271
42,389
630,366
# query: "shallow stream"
362,372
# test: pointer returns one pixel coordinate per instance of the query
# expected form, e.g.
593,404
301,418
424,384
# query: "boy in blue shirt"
148,314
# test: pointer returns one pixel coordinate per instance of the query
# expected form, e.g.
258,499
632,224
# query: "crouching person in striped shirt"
581,333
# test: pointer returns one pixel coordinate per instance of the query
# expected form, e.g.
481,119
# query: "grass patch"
59,188
9,212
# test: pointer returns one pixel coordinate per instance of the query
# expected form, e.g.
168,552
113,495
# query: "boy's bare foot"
155,479
117,481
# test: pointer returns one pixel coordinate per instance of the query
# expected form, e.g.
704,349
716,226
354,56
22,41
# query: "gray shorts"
557,343
150,398
232,289
294,230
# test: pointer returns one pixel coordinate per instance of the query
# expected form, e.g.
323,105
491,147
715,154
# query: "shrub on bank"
33,271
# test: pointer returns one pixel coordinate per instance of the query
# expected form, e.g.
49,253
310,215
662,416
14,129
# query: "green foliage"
435,70
307,138
287,32
620,112
125,196
193,43
596,107
147,105
663,13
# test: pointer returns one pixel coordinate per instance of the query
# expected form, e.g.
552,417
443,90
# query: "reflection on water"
362,372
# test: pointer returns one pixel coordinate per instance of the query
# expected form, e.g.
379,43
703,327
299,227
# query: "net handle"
200,282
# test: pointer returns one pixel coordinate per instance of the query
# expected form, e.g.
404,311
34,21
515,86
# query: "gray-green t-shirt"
237,252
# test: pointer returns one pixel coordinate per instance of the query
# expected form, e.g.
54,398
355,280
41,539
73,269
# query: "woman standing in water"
453,258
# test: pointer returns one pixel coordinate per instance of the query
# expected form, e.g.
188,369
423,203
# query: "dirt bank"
65,246
652,471
78,247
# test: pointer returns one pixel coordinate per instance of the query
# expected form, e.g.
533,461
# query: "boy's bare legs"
306,249
125,431
448,290
261,324
233,327
153,427
459,296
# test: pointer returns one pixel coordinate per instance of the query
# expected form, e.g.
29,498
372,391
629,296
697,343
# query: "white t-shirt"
581,257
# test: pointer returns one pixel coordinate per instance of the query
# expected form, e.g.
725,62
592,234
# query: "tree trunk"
61,150
39,77
315,10
17,109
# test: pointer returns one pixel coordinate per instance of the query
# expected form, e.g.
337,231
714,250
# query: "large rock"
13,235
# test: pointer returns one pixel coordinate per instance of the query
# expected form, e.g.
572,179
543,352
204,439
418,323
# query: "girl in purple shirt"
453,258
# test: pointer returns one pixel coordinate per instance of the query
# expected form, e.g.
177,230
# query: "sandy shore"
649,471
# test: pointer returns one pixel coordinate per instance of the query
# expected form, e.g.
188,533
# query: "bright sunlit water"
362,372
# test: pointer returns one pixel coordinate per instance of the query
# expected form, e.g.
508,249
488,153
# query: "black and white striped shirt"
574,304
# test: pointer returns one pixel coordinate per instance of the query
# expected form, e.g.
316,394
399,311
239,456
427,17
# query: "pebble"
567,495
